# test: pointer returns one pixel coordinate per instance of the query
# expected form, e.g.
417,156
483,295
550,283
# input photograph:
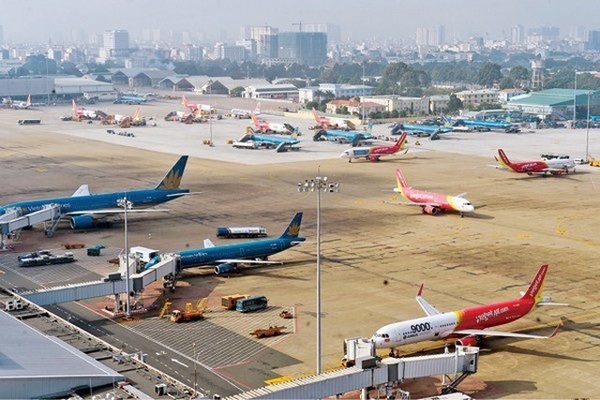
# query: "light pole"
320,183
587,134
210,82
363,99
126,205
195,387
574,102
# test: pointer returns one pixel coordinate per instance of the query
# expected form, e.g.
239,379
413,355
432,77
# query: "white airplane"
82,112
468,325
332,123
243,113
22,105
271,127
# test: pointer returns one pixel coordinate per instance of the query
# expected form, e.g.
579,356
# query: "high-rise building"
268,46
115,44
332,31
517,34
309,48
593,42
259,34
431,36
1,34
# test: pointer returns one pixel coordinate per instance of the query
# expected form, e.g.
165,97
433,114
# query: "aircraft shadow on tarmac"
513,387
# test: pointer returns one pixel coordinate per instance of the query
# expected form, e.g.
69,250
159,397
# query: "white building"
478,97
343,90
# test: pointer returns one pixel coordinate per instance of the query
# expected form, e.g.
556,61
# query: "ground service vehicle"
229,302
271,331
242,232
44,257
251,303
190,313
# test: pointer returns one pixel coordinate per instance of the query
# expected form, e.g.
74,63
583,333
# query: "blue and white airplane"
83,208
477,124
256,140
419,129
342,136
227,258
131,100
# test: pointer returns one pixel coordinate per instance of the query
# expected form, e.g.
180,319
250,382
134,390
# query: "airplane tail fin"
257,109
293,229
172,179
74,106
504,161
534,291
254,120
316,115
28,100
400,179
401,141
184,100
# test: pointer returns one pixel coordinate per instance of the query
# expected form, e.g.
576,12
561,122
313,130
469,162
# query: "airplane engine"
224,269
430,210
82,222
468,341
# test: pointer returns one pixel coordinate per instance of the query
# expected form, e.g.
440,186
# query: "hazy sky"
41,20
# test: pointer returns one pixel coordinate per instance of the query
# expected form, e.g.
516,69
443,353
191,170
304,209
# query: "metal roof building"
555,101
34,365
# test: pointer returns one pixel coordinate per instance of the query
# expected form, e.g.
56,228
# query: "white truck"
241,232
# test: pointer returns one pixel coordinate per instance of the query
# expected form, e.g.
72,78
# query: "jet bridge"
12,221
370,373
114,284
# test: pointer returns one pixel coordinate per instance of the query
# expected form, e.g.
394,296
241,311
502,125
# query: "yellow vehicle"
190,313
229,302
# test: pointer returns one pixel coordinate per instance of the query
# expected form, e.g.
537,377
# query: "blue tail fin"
173,178
293,229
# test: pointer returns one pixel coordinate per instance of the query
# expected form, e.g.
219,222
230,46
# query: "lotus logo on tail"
293,230
171,181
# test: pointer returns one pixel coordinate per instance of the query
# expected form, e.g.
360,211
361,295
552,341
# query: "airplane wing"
485,332
245,261
208,243
428,308
461,195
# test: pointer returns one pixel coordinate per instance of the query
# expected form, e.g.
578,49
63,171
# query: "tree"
520,75
489,74
454,104
236,91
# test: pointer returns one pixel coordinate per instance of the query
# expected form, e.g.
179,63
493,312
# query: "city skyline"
61,21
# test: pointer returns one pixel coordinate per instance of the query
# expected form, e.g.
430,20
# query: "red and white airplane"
270,127
467,325
332,123
431,202
373,153
82,112
555,166
193,107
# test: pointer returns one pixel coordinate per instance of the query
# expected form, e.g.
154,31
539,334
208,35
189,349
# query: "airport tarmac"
374,255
